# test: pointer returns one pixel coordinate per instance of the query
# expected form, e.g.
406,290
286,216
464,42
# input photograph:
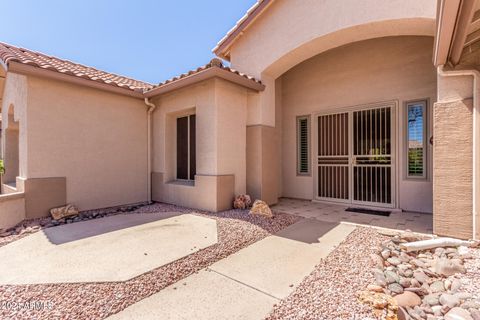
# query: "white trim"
407,104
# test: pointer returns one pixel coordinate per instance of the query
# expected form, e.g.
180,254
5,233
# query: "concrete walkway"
115,248
248,283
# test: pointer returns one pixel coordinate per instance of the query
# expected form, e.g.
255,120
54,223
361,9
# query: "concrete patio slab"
115,248
202,296
417,222
278,263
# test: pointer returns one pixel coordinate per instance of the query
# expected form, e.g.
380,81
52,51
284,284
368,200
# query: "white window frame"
424,103
309,132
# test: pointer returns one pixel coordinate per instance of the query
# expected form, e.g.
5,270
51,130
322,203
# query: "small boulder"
448,267
449,300
242,201
376,260
63,212
437,286
408,299
395,288
458,314
261,208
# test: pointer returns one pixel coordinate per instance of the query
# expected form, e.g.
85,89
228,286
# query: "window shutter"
303,146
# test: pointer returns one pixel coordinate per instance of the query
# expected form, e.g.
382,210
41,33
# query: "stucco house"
367,103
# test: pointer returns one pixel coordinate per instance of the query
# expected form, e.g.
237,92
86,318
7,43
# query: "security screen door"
355,157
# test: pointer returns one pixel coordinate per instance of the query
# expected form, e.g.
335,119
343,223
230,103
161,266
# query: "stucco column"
263,134
455,180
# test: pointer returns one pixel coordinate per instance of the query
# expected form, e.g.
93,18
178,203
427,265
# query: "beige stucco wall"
221,110
289,32
383,69
96,139
12,210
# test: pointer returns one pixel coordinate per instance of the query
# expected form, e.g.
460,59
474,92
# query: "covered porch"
332,212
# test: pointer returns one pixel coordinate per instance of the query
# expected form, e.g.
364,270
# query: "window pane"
416,140
303,152
193,166
182,148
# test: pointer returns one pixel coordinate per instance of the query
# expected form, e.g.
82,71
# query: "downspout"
476,76
151,108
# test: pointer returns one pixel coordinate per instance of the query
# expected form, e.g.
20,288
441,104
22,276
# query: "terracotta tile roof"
214,63
241,24
9,53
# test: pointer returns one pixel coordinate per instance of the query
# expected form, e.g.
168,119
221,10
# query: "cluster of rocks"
259,207
243,201
424,284
31,226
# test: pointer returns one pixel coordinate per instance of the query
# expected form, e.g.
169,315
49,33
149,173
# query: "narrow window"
303,145
186,164
416,139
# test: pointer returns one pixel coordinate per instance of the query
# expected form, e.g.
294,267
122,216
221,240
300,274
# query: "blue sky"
145,39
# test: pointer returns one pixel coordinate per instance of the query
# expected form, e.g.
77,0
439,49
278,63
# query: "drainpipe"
476,76
151,108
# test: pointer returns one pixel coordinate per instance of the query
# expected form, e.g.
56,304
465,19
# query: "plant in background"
2,168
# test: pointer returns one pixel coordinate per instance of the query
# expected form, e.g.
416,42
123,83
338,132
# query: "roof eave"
213,72
222,49
453,18
36,71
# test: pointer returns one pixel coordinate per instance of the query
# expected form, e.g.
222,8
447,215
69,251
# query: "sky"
149,40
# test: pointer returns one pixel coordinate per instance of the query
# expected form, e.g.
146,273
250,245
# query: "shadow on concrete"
91,228
307,230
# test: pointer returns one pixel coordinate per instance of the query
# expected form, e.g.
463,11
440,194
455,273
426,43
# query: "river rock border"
425,284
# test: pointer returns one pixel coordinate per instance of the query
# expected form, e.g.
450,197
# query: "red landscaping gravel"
236,230
329,292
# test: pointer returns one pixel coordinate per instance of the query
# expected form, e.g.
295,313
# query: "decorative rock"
62,212
437,286
448,267
458,314
404,282
431,299
380,302
420,276
415,283
391,276
242,201
374,288
261,208
449,300
376,260
437,310
395,288
456,284
394,261
407,299
385,254
417,263
379,277
419,291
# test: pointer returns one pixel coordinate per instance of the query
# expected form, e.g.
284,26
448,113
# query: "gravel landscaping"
329,292
370,267
236,230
